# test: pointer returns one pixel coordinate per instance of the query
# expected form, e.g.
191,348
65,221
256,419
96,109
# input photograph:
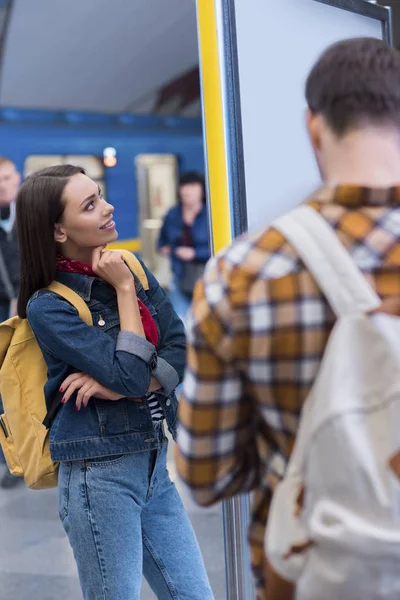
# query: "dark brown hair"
354,83
39,207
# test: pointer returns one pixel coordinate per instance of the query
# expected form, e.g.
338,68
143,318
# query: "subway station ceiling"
111,56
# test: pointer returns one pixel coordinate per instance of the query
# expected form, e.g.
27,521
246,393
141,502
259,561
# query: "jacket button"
168,402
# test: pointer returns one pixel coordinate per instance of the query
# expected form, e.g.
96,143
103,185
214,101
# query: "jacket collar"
81,284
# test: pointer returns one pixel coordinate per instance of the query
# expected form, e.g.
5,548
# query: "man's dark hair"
193,177
354,83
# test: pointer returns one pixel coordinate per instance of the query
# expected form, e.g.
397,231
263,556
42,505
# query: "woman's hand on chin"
111,267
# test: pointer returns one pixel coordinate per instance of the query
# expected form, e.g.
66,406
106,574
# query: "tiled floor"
36,562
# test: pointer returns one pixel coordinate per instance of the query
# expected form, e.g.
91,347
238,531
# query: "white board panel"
277,43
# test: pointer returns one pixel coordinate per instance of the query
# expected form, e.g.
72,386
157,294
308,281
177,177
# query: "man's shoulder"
265,254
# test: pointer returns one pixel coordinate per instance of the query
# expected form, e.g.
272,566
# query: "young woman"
184,237
122,513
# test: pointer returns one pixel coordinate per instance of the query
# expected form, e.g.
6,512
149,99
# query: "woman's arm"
111,267
131,367
124,366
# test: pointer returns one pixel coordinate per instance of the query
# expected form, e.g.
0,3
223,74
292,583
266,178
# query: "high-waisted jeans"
124,517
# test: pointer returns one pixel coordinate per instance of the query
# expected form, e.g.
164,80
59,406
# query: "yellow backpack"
23,373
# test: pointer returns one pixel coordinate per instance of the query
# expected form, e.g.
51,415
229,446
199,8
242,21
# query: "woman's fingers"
74,385
70,379
110,266
83,396
86,388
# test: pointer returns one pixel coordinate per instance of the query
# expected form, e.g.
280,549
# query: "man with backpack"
9,260
259,328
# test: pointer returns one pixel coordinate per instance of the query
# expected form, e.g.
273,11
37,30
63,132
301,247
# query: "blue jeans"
124,517
4,314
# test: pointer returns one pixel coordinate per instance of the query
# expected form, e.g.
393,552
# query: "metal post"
239,581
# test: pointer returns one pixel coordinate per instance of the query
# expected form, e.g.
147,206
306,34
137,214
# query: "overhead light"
109,157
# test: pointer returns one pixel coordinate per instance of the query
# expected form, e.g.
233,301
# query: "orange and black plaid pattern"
257,333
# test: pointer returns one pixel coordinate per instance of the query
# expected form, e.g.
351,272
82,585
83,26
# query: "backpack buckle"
3,426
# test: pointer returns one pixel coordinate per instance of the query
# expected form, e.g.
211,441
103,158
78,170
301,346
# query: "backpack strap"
338,276
86,316
74,299
135,266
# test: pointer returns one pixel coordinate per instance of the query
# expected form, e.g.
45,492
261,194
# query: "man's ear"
313,123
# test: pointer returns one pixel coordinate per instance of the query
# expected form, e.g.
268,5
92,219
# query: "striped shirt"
155,408
257,333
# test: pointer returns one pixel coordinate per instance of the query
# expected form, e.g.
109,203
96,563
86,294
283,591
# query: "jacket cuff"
166,376
135,344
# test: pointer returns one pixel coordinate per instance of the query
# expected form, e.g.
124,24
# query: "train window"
156,176
41,161
93,165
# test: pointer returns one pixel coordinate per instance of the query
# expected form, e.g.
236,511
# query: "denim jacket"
171,234
119,360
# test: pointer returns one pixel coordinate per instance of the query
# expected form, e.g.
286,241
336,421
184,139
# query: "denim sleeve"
172,343
125,367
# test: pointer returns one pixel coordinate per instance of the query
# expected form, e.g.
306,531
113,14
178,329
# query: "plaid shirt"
257,333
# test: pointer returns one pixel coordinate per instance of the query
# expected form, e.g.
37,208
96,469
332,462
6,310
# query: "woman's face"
191,194
87,221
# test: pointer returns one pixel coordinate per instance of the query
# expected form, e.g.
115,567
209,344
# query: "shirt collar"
354,196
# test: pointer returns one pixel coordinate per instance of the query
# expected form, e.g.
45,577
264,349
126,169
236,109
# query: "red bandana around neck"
69,265
73,266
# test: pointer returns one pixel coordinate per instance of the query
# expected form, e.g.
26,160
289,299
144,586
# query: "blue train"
34,139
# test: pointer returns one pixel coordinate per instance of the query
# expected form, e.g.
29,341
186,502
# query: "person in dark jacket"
9,260
9,256
184,237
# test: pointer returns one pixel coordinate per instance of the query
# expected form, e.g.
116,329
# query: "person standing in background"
184,237
10,180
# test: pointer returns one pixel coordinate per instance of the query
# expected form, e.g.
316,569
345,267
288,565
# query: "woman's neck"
83,255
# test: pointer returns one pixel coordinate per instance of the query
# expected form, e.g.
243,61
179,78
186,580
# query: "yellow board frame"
214,125
218,144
